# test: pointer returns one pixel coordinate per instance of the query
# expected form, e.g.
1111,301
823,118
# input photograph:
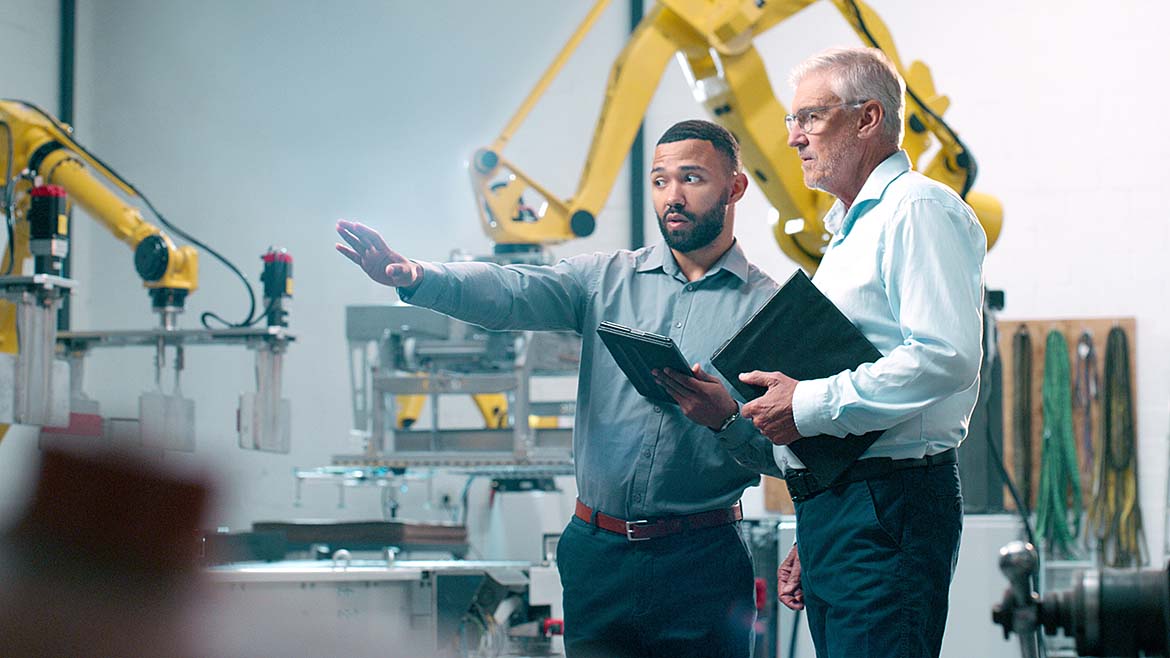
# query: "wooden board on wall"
1038,330
776,498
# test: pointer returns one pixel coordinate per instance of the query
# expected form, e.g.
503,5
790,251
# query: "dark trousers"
877,557
689,594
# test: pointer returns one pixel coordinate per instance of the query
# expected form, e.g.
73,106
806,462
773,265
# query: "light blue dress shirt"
905,264
634,458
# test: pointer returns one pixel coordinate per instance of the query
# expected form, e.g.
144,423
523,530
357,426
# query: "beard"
832,164
702,231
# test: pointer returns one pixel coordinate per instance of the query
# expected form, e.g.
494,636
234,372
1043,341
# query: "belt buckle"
802,486
632,526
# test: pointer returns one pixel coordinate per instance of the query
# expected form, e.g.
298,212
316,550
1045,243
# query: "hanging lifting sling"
1116,516
1059,477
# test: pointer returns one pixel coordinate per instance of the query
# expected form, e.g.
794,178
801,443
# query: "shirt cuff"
809,400
430,289
738,433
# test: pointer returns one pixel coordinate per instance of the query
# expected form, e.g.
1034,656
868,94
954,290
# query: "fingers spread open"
371,237
349,253
350,238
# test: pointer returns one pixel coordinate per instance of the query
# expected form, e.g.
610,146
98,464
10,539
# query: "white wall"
258,123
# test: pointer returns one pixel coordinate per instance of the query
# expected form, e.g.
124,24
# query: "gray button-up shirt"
634,458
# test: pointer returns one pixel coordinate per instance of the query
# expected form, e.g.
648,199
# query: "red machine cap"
48,190
277,257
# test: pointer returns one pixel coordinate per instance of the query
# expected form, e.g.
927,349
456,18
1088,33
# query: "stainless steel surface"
36,282
34,385
362,608
167,419
352,570
85,340
469,459
372,322
442,384
265,418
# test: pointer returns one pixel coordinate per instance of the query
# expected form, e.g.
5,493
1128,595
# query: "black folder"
802,334
638,352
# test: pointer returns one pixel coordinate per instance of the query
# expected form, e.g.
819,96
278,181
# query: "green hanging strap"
1059,477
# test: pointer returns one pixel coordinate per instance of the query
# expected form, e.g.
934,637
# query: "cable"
9,210
1022,369
972,169
250,320
263,314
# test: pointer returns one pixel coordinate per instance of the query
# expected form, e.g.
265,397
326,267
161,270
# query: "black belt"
802,484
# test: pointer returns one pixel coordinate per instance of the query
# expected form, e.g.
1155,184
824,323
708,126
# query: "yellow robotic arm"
713,39
42,167
40,148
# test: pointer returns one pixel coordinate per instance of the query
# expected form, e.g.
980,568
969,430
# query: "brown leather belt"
654,528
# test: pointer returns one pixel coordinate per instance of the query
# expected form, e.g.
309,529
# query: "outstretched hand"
366,248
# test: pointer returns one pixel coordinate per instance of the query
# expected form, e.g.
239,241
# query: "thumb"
701,374
400,271
756,378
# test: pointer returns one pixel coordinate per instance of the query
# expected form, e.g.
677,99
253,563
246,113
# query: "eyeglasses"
810,118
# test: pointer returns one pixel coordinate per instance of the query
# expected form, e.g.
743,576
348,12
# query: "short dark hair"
718,136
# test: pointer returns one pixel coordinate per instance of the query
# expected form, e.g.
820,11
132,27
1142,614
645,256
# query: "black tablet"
639,352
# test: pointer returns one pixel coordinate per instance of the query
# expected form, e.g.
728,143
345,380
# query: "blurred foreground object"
1110,612
103,563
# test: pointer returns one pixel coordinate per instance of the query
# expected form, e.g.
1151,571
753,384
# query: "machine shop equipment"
1111,613
45,171
405,360
422,355
400,608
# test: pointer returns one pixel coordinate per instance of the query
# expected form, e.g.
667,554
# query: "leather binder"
802,334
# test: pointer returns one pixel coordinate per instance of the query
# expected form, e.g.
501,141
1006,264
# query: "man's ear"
739,185
870,123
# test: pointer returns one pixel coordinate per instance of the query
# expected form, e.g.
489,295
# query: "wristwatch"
730,419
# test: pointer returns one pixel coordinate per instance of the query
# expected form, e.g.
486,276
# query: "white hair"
857,74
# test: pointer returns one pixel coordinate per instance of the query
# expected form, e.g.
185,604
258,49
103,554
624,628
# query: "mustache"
677,209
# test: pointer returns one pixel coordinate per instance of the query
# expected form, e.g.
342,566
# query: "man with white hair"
876,548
